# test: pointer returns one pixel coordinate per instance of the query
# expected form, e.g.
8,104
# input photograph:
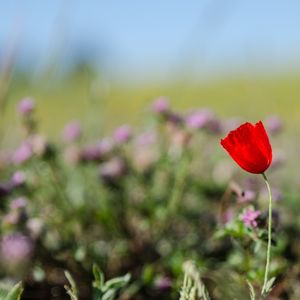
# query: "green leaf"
110,289
99,277
148,274
72,292
269,284
15,293
109,295
3,293
252,291
118,282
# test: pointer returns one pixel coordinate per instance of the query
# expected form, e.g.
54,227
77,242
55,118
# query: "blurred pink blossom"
18,203
199,119
23,153
112,169
122,134
15,248
26,106
18,178
72,131
163,283
161,105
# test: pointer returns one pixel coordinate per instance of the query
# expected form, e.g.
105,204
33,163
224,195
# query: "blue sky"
143,38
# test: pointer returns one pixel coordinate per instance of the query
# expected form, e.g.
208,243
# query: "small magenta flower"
22,154
18,179
112,169
26,106
90,153
122,134
72,131
19,203
98,151
199,119
163,283
250,216
161,105
15,249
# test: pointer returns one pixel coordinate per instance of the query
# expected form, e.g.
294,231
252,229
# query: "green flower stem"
269,236
179,185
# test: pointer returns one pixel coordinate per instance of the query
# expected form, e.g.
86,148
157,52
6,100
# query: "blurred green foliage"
148,219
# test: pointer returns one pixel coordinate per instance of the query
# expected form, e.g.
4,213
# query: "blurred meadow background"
103,64
79,58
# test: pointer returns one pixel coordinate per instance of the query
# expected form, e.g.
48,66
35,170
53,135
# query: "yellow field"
102,105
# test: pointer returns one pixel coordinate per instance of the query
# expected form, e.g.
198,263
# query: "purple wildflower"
199,119
112,169
26,106
97,151
22,154
91,153
15,248
72,131
122,134
18,178
161,105
250,216
163,283
174,119
18,203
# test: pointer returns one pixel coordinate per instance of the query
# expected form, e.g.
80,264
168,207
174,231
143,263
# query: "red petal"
250,147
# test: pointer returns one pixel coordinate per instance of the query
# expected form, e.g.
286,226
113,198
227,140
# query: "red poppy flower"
250,147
